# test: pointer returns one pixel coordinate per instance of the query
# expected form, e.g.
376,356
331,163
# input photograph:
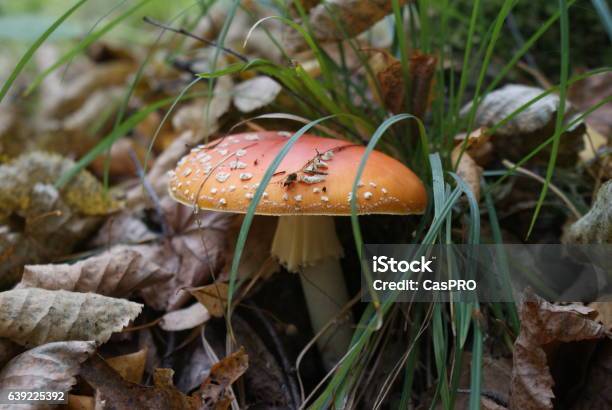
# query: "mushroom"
312,184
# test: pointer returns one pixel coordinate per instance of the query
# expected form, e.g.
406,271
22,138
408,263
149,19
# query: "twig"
184,32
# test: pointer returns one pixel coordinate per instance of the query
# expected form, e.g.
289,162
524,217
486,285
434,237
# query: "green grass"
448,330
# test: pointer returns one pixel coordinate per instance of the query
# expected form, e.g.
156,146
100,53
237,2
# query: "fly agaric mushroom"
312,184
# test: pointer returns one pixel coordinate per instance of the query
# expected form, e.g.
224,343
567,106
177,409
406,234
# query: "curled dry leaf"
545,328
34,316
355,15
214,392
604,312
590,91
596,225
478,145
114,392
253,94
520,135
130,366
467,169
388,72
213,297
184,319
116,272
50,367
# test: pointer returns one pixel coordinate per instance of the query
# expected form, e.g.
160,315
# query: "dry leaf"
113,392
253,94
355,15
544,330
184,319
524,132
468,170
478,145
50,367
116,272
71,95
213,297
596,225
194,253
215,389
388,72
131,366
122,228
34,316
604,312
588,92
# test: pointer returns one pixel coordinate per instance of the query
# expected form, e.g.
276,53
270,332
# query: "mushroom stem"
308,245
326,295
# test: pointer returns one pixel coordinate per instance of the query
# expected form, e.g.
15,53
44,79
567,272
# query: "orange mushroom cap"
315,178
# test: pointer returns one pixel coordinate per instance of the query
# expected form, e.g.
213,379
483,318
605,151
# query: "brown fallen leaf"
545,329
34,316
355,15
517,137
114,392
213,297
214,392
389,74
116,272
467,169
590,91
49,367
422,71
194,253
479,145
596,225
130,366
184,319
122,228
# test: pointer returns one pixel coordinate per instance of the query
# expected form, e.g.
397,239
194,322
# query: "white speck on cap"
222,176
327,155
316,190
285,134
222,201
245,176
286,196
367,195
241,152
324,198
312,179
373,185
298,198
187,172
237,165
251,137
232,188
384,190
213,191
222,151
249,195
224,144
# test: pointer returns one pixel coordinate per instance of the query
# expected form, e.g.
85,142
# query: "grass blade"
35,46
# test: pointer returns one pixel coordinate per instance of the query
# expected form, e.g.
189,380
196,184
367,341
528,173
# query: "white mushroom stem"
308,245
